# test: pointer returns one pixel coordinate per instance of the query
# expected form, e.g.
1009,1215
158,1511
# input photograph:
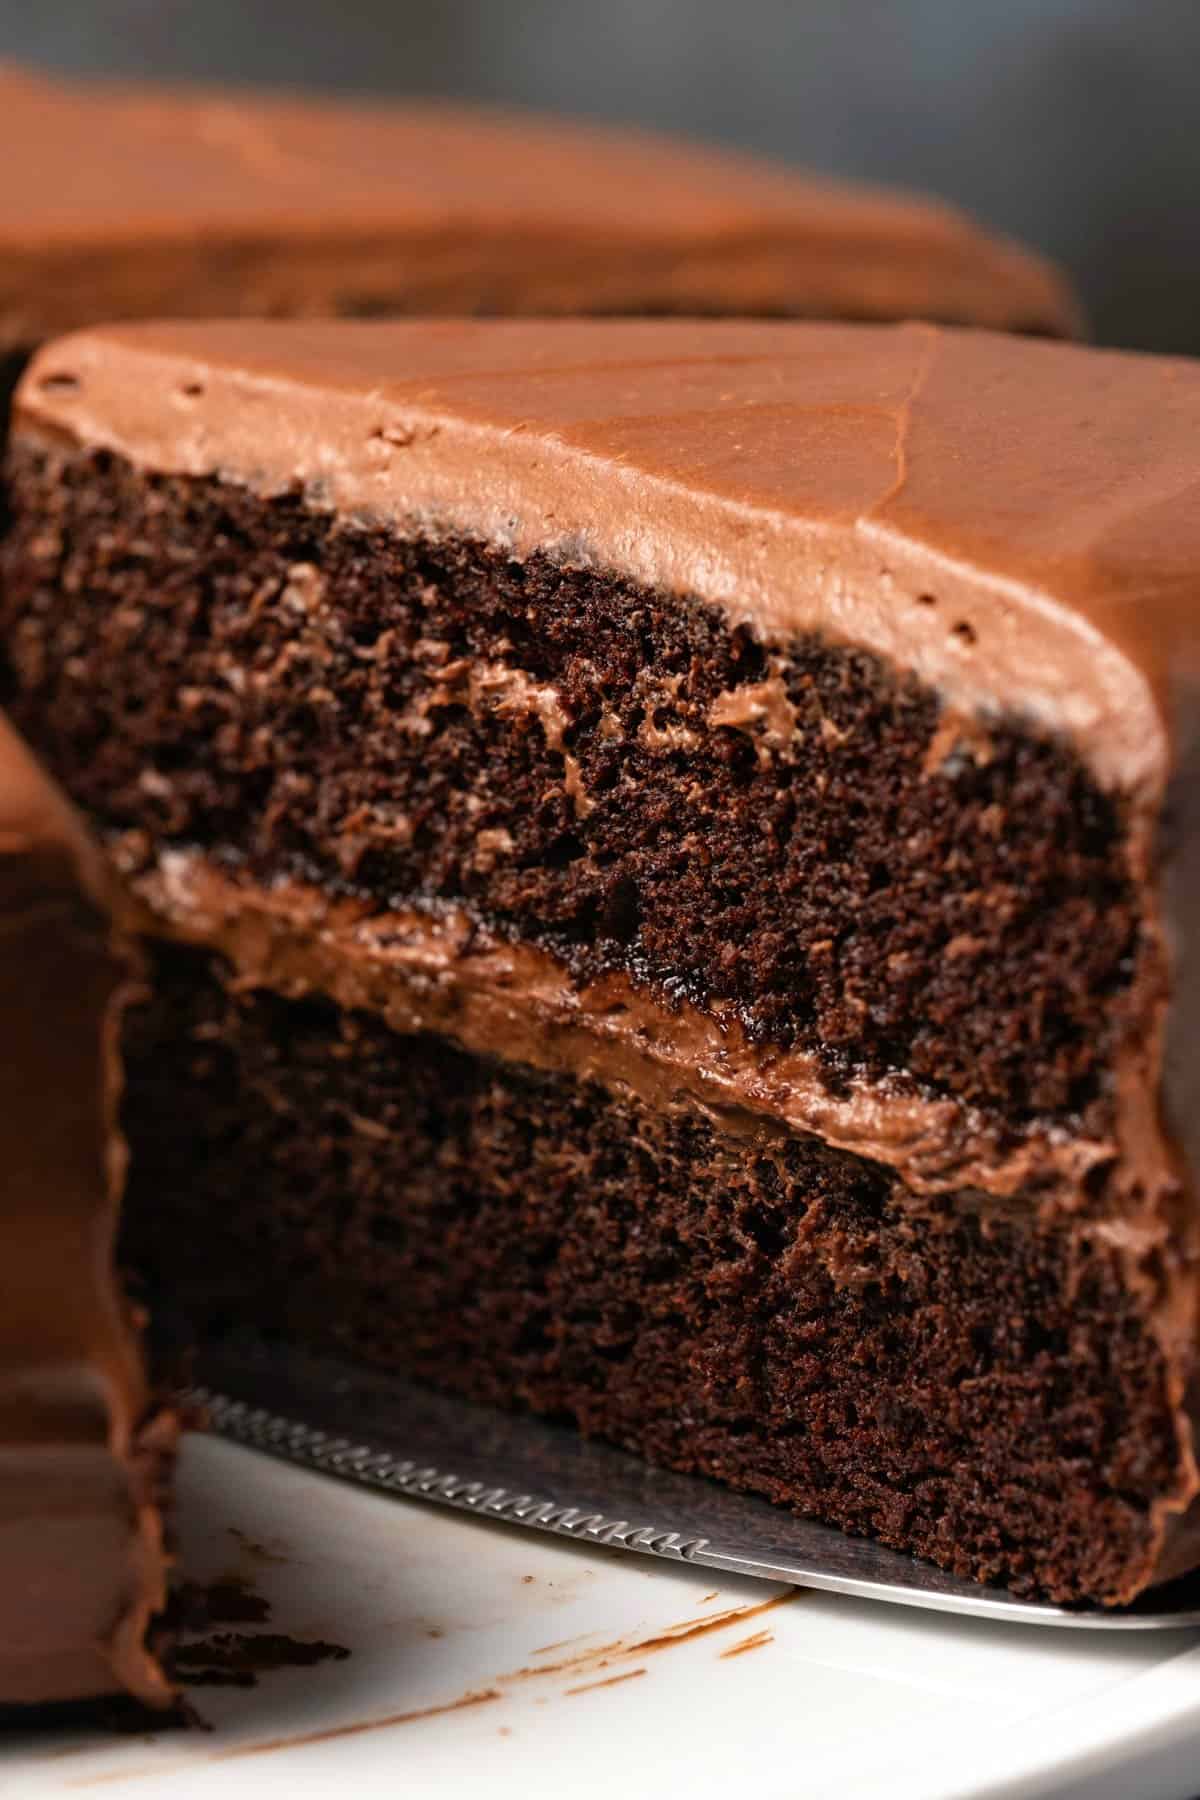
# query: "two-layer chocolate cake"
135,201
669,852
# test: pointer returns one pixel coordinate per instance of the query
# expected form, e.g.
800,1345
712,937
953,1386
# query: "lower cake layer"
723,1295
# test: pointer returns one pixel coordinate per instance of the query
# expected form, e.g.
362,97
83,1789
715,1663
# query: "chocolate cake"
143,202
668,852
83,1453
134,201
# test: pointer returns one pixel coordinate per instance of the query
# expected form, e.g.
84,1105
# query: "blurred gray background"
1072,123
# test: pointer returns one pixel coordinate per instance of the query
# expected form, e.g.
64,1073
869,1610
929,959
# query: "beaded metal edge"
261,1429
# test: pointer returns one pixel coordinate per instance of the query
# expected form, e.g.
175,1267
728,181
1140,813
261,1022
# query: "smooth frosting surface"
1015,522
82,1567
143,202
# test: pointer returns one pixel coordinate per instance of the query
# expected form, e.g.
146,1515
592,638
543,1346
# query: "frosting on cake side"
83,1456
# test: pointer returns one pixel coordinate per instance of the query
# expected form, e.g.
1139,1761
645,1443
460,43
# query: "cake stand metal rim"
251,1410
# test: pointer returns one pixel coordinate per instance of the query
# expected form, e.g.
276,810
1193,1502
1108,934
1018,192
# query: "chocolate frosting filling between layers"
440,970
144,202
83,1453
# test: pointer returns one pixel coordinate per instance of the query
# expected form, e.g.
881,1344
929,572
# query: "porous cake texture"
667,856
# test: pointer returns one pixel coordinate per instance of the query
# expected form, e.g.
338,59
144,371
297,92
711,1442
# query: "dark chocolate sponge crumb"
788,833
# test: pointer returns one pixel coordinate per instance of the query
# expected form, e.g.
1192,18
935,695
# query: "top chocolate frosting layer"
81,1558
150,202
1015,522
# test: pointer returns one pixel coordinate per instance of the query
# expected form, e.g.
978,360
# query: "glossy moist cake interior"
784,836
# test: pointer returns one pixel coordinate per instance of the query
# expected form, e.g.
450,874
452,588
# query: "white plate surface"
494,1662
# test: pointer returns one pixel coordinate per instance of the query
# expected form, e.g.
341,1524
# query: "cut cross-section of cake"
84,1454
670,851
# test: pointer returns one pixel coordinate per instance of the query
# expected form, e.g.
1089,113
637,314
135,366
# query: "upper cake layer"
1013,523
81,1556
144,202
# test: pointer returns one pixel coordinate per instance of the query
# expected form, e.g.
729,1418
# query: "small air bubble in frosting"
399,435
